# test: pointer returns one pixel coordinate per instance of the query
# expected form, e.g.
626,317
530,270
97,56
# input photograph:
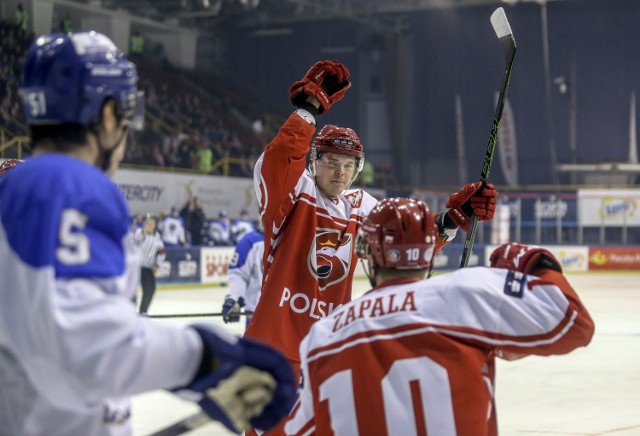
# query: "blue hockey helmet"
67,78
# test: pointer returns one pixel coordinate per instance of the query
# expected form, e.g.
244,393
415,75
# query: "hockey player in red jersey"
311,217
416,356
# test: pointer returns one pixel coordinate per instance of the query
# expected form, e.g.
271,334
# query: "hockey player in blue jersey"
245,277
241,226
72,347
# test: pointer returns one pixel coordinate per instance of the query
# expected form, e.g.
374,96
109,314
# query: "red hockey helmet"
399,233
8,164
339,140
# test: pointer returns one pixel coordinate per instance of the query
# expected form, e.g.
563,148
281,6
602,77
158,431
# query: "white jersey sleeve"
71,342
246,270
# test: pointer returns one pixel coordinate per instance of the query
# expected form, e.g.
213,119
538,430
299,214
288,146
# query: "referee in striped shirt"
151,257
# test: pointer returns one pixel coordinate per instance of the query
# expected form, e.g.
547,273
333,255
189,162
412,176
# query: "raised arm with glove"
326,81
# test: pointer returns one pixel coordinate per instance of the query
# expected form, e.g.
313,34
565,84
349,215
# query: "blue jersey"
245,269
72,347
61,213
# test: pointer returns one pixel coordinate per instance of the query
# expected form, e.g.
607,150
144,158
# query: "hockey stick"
505,35
194,315
187,424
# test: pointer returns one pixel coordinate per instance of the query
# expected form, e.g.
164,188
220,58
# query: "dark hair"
63,137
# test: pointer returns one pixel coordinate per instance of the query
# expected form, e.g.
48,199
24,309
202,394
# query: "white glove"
243,395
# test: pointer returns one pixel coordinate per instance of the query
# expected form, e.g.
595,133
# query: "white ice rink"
593,391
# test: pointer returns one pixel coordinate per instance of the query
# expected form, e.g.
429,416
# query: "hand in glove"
472,199
523,258
231,309
326,81
241,383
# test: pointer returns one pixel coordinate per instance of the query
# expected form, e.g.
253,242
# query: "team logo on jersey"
329,258
515,284
354,198
327,243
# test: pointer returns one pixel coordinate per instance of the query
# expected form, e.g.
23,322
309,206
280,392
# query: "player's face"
149,226
334,173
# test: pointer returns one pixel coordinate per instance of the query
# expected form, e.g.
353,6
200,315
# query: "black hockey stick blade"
505,36
189,423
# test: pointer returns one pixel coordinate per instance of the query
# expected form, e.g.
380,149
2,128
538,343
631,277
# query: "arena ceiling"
206,15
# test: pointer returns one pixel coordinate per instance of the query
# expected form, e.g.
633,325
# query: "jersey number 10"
417,386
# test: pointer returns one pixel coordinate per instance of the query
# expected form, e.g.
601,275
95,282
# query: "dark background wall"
456,51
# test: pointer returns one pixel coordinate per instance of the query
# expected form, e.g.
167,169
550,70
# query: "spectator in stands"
220,230
14,42
22,18
184,154
66,25
205,157
173,234
136,47
194,219
137,222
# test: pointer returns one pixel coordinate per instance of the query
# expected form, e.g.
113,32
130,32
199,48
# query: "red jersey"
309,241
417,358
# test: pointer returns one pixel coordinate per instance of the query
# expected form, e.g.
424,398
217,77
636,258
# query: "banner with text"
180,265
154,192
215,263
609,207
614,258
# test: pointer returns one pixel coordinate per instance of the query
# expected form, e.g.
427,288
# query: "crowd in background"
187,126
190,227
14,41
194,121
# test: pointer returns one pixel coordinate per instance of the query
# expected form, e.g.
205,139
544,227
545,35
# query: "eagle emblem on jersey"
354,198
329,258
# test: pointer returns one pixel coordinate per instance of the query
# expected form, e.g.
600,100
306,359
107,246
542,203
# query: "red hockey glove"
326,81
471,199
524,258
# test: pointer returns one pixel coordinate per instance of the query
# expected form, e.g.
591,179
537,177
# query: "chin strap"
370,270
